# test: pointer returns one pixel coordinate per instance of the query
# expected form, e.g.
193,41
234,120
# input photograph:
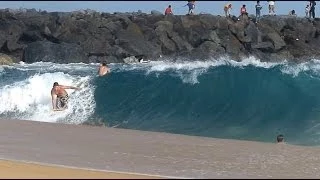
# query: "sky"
211,7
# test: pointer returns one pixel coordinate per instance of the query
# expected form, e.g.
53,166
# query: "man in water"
280,138
60,96
103,69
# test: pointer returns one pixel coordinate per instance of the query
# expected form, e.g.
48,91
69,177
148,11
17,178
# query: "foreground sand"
155,154
15,169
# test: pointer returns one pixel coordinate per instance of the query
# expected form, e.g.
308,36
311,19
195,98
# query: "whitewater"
222,98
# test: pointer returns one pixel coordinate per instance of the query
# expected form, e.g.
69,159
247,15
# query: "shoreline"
88,125
151,153
26,169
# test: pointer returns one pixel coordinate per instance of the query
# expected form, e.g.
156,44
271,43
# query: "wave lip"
189,71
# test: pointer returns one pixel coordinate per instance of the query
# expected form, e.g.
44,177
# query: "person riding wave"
60,96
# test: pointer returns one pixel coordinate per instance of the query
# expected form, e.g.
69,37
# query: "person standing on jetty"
243,11
307,11
168,11
271,8
191,6
227,9
292,13
258,11
312,8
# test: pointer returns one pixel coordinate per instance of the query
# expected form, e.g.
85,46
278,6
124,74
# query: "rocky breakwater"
89,36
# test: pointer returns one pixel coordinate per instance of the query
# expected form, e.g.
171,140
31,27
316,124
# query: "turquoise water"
250,100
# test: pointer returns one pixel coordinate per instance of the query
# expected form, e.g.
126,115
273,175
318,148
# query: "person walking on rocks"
227,9
258,11
307,11
168,10
312,8
191,6
292,13
271,8
243,11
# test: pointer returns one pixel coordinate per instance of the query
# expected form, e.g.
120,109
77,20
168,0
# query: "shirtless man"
280,139
60,96
103,69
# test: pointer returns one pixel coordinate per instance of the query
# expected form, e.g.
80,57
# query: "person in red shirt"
168,10
243,10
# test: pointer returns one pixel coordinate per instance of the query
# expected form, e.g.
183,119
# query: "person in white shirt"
307,10
271,8
227,9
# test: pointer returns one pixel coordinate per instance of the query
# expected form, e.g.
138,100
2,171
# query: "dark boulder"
207,50
51,52
132,40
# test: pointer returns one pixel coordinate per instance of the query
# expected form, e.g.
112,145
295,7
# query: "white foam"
191,65
31,98
190,71
48,66
1,70
295,69
252,61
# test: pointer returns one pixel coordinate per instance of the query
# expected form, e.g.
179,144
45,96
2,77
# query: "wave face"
247,100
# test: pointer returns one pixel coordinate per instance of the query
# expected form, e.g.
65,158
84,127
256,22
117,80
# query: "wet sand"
16,169
152,153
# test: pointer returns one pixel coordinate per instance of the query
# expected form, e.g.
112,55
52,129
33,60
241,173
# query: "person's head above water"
55,84
280,138
103,64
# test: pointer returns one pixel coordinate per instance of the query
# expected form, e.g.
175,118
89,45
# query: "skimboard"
143,61
59,109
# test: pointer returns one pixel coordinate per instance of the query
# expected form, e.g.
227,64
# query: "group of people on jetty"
309,9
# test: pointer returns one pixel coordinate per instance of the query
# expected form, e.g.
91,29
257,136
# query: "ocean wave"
216,98
166,65
1,70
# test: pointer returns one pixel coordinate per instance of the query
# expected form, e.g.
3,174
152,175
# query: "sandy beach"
145,153
16,169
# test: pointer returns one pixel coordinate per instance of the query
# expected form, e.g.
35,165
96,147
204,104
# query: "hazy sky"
212,7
